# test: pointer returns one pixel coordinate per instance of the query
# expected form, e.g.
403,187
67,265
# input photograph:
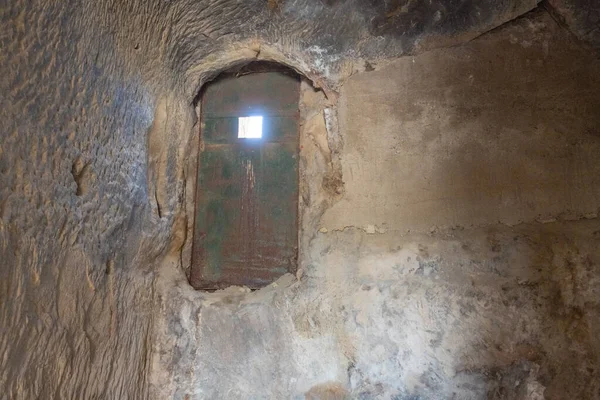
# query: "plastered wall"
458,258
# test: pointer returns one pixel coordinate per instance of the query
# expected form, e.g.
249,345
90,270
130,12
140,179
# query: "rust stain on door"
246,222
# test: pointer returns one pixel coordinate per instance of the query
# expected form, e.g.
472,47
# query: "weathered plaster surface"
458,259
505,129
492,312
97,124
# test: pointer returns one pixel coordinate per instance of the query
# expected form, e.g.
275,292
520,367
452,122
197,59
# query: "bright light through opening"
250,127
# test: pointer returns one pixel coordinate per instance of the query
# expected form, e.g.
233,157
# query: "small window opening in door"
246,211
250,127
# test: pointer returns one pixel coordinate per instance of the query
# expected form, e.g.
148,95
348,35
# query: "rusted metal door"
246,222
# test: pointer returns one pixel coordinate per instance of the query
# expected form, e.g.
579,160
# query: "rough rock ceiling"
182,33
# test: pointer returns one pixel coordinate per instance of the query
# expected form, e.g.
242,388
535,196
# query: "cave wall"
449,203
75,302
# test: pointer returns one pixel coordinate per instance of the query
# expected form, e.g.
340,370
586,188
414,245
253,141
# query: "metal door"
246,222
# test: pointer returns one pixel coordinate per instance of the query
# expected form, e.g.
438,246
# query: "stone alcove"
320,182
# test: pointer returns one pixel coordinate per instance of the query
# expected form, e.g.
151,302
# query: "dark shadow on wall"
519,108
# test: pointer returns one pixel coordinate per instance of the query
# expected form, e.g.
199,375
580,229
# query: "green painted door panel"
246,222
